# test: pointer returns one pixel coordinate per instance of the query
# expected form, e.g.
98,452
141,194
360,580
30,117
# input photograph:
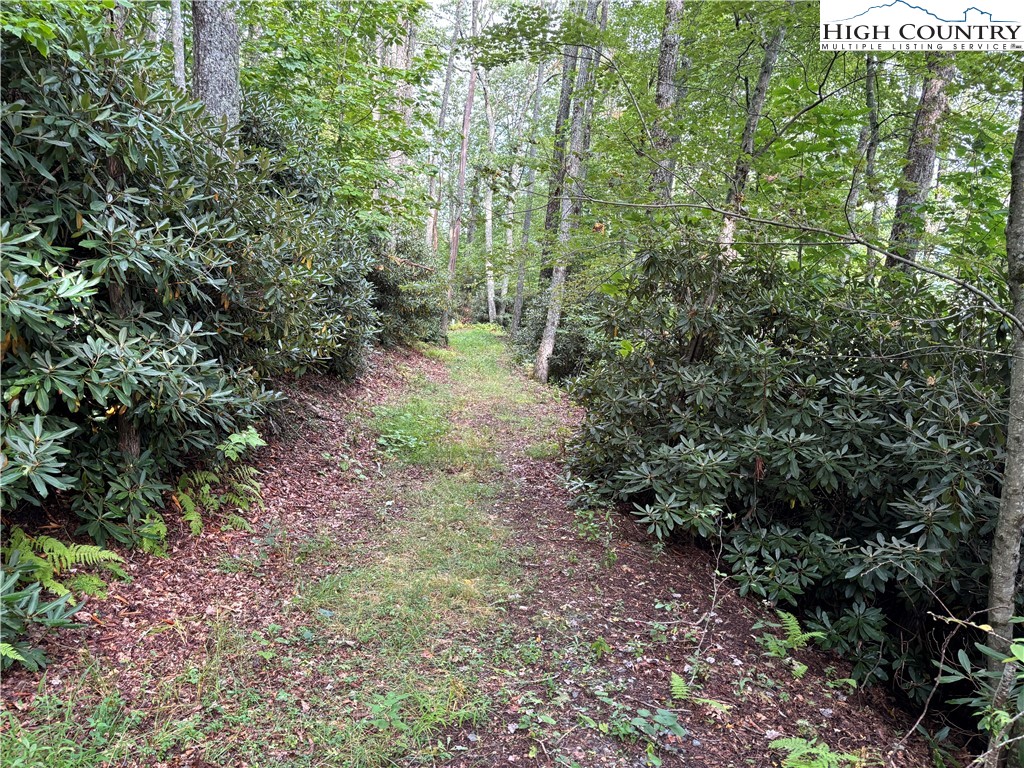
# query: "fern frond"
194,520
65,556
679,687
88,584
236,523
8,651
796,638
197,478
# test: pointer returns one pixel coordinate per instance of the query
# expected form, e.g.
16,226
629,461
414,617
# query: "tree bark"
867,142
572,190
531,172
460,192
557,178
734,198
510,243
666,92
215,50
1006,543
907,226
492,311
159,21
178,43
433,192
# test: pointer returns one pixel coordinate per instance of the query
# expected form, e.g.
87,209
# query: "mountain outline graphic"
895,3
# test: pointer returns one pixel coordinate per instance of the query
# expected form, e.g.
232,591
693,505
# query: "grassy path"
418,592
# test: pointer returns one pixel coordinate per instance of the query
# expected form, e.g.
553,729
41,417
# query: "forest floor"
419,591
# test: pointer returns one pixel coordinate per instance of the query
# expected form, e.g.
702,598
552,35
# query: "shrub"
849,460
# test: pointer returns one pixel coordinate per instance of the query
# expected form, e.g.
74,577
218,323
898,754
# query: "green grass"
393,624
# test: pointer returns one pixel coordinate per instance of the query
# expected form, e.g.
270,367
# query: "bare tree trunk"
159,20
1006,543
460,192
557,178
867,142
433,192
734,198
510,243
215,52
571,191
907,226
665,93
178,43
531,172
400,56
492,311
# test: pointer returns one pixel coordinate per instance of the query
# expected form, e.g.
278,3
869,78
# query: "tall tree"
531,172
215,58
1006,543
571,191
755,108
557,173
178,43
492,312
665,93
460,189
433,186
905,237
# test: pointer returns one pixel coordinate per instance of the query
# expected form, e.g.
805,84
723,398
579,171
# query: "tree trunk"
159,21
907,226
571,191
492,311
1006,543
433,192
178,43
460,193
734,198
215,58
557,177
510,243
129,440
665,93
401,56
531,172
867,142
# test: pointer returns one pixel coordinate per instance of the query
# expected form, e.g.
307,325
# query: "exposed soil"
590,640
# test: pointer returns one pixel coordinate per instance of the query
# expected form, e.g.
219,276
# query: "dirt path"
418,591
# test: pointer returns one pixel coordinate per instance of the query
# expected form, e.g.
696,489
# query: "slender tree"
433,191
492,312
178,43
905,237
571,192
665,94
531,172
215,52
460,190
1006,542
755,108
557,173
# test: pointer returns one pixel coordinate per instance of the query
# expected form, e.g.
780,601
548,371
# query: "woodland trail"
418,591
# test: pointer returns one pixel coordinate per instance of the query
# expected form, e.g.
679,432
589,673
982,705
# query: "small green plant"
794,640
44,559
679,687
802,753
241,487
600,648
596,524
23,606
